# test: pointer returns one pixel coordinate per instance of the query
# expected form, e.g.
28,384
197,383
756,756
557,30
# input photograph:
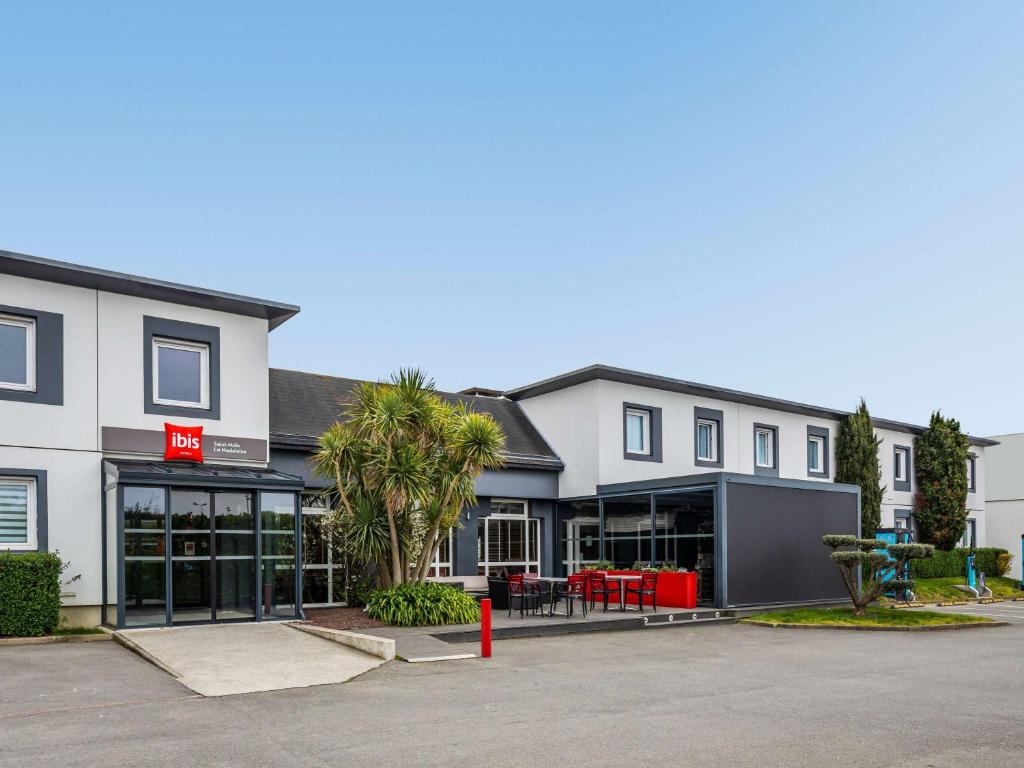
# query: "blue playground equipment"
896,536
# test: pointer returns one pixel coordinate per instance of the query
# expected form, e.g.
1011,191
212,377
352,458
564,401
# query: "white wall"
1004,494
73,512
244,377
583,424
72,425
566,419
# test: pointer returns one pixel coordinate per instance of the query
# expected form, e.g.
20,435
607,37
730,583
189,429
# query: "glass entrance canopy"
187,544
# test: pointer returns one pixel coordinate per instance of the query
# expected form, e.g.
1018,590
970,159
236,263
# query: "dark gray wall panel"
296,463
774,552
518,484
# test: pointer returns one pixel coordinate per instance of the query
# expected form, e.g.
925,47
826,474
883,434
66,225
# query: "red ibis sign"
183,443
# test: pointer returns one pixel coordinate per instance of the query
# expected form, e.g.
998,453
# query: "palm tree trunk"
396,556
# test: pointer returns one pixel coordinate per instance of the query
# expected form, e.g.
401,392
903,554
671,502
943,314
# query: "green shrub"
422,605
29,594
992,560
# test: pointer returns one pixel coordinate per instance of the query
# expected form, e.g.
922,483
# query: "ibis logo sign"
183,443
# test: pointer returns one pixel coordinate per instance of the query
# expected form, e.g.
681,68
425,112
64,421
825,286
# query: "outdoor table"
622,577
552,580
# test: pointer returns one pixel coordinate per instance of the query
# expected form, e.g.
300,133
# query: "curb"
53,639
381,647
138,650
867,628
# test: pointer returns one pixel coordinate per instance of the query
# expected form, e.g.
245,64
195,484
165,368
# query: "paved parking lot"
1008,610
713,696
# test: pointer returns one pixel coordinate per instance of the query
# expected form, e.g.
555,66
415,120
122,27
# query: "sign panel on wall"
183,443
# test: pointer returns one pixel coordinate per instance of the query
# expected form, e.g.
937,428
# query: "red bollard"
485,628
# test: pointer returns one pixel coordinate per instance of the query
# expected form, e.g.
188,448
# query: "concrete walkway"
223,659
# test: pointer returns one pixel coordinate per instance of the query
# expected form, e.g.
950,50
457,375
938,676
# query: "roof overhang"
37,268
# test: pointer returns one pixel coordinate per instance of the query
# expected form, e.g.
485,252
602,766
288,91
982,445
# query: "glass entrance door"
191,557
213,556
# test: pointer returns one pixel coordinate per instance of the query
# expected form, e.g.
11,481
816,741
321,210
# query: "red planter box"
674,588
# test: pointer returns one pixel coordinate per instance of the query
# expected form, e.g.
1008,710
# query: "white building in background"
681,428
1004,496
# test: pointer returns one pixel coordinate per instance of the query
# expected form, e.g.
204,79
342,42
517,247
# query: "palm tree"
407,460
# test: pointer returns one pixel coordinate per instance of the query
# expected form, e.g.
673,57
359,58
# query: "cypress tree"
940,468
857,463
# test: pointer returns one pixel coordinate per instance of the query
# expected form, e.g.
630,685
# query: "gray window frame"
49,341
163,328
709,414
972,473
773,470
655,437
42,524
904,514
823,432
903,485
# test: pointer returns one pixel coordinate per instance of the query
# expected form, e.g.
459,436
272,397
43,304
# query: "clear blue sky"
814,201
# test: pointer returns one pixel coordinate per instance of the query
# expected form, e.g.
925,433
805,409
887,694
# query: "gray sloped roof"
303,405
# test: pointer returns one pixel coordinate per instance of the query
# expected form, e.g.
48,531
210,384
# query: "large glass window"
508,540
145,546
17,353
181,373
323,565
580,523
235,549
277,525
685,535
627,530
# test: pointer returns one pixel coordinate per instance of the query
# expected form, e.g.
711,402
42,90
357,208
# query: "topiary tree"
857,463
856,557
940,468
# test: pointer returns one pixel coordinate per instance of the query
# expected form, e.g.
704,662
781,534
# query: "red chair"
646,586
601,587
572,590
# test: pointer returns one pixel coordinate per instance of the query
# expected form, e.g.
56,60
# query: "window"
638,431
707,437
815,454
181,373
972,477
508,539
970,533
17,513
765,440
323,567
901,468
707,442
17,353
442,564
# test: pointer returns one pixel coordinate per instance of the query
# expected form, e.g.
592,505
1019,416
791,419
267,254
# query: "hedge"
992,560
425,604
29,594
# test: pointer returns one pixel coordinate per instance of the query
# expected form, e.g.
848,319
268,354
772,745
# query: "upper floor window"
972,473
816,453
765,447
707,440
641,432
638,431
901,468
17,353
181,373
17,513
181,368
